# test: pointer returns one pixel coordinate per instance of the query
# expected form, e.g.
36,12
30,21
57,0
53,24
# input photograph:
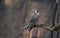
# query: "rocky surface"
16,13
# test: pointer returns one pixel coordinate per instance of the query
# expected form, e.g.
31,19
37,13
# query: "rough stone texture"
57,18
14,13
11,18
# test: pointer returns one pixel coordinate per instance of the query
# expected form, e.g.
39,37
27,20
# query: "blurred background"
17,13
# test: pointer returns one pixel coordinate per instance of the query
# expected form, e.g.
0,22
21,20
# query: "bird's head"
36,11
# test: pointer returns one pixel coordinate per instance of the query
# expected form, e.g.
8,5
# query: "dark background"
16,13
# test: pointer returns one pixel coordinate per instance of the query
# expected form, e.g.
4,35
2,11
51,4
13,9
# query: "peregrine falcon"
34,18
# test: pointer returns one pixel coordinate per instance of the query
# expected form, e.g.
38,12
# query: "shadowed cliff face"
14,13
8,2
12,16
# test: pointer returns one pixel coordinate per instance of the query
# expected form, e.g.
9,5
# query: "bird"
33,20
